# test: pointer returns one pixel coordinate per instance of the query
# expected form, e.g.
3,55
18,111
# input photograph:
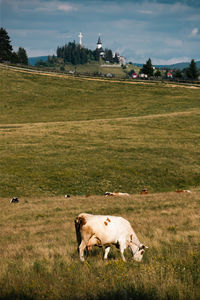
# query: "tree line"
191,72
75,54
7,53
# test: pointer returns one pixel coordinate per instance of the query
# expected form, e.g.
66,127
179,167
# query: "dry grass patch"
39,259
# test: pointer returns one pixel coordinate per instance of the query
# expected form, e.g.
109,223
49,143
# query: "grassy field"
63,135
99,68
38,249
117,72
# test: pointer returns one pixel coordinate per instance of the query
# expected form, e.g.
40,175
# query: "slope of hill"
78,136
181,65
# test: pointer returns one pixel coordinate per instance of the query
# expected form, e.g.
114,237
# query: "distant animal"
183,191
67,196
115,194
14,200
144,192
101,230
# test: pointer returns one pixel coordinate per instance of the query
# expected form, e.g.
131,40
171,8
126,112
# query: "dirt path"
31,71
153,116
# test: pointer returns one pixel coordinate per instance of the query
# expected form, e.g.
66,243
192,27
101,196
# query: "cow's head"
138,255
108,194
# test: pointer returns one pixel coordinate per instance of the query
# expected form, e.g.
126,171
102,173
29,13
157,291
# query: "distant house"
134,75
169,75
109,75
143,76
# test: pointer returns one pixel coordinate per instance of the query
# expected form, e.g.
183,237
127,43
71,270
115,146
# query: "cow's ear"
146,247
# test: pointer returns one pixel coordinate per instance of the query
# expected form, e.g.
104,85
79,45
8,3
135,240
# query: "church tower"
99,46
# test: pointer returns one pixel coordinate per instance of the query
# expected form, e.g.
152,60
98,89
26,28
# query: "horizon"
168,32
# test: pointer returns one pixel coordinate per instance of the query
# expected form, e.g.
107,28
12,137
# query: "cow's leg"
107,249
122,248
81,250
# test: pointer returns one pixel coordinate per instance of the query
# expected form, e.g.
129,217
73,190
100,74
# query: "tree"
74,54
178,74
5,46
22,56
147,68
157,73
192,71
116,59
14,58
131,72
108,55
41,63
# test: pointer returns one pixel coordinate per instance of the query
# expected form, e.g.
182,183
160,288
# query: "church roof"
99,41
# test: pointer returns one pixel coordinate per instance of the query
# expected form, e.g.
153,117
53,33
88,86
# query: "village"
75,59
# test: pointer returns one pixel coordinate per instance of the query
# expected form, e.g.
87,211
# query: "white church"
122,59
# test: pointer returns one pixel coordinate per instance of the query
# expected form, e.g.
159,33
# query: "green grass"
97,68
77,136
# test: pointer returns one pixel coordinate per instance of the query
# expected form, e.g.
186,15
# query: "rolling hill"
182,65
76,135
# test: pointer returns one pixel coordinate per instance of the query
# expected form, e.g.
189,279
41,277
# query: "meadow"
61,135
64,135
39,259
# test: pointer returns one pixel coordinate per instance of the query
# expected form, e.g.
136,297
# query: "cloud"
67,7
146,12
170,42
170,61
194,32
42,6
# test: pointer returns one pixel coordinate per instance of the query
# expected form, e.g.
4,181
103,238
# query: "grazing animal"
14,200
144,192
115,194
183,191
99,230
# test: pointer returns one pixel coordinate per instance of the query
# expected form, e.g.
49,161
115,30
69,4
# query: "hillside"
181,65
74,135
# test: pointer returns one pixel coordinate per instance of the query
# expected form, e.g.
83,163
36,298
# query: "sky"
164,30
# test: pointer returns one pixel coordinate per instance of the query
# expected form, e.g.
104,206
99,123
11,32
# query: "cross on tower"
80,41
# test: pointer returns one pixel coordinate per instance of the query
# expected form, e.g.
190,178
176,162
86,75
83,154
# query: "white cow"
116,194
99,230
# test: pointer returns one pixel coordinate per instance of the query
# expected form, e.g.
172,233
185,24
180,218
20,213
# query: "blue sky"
165,31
